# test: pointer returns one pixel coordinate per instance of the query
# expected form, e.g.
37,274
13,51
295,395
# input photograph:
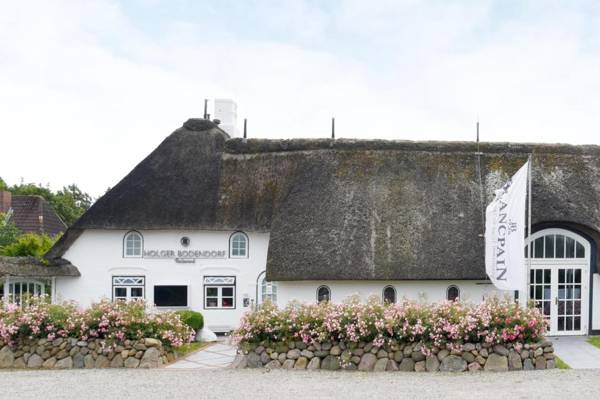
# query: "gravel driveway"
227,383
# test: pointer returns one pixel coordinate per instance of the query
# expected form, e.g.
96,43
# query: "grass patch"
560,364
191,347
594,341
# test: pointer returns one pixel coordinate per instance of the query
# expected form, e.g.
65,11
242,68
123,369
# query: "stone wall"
364,356
70,353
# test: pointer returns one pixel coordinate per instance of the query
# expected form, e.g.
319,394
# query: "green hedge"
194,320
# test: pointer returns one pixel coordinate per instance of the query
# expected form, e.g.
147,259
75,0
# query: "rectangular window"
128,287
170,295
219,292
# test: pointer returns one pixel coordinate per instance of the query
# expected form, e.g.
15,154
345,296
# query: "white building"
218,225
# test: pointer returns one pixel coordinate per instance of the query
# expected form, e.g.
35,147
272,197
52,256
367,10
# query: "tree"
29,244
8,231
3,185
70,203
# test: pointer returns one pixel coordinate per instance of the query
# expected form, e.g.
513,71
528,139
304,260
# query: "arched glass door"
559,280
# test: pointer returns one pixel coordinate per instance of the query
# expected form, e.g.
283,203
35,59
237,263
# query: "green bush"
29,244
194,320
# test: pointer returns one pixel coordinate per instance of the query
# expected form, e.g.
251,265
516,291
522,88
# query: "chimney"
5,201
226,113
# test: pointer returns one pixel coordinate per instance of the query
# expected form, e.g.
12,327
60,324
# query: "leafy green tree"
70,203
8,231
3,185
29,244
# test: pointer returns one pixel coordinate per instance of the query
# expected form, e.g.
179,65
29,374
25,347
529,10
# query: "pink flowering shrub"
111,321
441,324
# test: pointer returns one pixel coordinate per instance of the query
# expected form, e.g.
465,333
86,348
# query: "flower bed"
353,334
38,332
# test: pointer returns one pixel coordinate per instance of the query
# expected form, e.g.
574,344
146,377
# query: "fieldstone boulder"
501,350
314,364
514,361
528,364
417,356
474,367
35,361
7,357
381,364
367,362
65,363
540,363
496,362
101,362
88,361
49,363
253,360
335,350
420,366
265,358
453,363
432,363
307,354
391,366
151,359
407,364
293,354
288,364
132,362
301,363
117,362
330,363
273,364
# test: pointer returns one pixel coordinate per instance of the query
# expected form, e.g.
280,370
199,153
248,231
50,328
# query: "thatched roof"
345,209
33,267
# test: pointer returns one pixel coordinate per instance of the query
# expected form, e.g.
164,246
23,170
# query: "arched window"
323,294
133,245
453,293
238,245
389,294
268,291
557,246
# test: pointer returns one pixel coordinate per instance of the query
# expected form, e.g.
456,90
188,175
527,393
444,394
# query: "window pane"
212,291
227,302
560,246
227,291
550,246
570,248
137,292
212,302
539,248
120,292
452,293
389,295
170,295
580,251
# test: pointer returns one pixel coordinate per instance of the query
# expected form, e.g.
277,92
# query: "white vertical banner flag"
505,234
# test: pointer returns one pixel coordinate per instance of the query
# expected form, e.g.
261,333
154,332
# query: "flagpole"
525,297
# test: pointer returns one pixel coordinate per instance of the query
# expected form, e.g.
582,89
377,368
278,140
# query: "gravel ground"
279,384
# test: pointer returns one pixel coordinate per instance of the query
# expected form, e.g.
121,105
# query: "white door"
559,280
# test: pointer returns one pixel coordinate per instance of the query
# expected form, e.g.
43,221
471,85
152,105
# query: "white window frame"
128,283
232,247
219,282
126,245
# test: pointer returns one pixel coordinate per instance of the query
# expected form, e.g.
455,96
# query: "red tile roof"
32,214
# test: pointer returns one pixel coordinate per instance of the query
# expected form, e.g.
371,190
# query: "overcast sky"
89,88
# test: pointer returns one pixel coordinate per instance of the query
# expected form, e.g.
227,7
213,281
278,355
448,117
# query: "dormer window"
133,245
238,245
